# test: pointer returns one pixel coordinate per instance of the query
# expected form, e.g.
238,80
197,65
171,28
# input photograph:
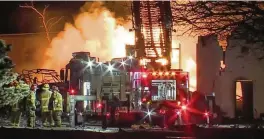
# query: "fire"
187,62
122,37
156,37
99,33
95,32
191,68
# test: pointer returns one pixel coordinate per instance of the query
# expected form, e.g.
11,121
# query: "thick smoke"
95,30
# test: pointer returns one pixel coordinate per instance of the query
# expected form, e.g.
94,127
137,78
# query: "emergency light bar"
167,73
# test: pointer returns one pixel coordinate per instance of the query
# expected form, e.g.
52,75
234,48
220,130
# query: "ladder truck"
158,89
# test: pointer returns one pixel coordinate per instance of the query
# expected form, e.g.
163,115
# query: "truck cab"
77,76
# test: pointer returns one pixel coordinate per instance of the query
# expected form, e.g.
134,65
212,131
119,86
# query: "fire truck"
142,84
143,79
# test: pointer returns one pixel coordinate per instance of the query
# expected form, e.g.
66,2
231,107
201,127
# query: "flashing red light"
99,105
178,113
162,111
206,114
108,114
183,107
72,91
144,99
179,103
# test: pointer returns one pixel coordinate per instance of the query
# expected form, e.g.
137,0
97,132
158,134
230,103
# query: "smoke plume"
95,30
99,32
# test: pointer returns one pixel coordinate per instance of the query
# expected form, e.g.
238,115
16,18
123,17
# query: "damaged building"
239,88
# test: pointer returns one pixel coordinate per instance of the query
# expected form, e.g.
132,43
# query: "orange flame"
98,33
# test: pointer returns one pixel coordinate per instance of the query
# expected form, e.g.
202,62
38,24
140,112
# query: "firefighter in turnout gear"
56,99
45,106
16,111
31,106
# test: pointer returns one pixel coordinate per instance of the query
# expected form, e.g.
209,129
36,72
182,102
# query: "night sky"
15,19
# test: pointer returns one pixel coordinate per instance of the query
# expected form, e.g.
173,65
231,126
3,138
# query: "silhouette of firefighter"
114,104
31,106
46,108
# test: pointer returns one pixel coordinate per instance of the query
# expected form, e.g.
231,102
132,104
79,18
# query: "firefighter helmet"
46,85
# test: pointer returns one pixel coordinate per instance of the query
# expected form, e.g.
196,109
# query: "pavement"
95,125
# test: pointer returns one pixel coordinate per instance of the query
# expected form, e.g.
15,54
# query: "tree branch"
244,19
41,15
52,24
46,24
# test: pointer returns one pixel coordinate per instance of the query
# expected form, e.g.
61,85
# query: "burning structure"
153,53
238,89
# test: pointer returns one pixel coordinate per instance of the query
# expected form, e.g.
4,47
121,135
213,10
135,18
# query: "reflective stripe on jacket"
31,100
44,100
57,101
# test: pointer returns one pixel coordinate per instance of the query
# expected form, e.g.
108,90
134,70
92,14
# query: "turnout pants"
57,118
15,118
31,121
47,117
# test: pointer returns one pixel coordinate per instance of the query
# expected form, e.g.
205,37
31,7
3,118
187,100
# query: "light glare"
110,67
123,63
90,63
149,113
184,107
130,57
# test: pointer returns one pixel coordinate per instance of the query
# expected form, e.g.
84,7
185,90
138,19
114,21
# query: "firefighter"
16,110
56,99
46,112
16,113
31,106
115,104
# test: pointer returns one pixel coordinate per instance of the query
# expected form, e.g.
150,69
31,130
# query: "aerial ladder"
152,23
156,82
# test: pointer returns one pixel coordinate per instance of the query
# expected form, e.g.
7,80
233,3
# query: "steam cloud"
95,30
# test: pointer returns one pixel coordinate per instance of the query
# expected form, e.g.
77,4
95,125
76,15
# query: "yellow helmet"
46,86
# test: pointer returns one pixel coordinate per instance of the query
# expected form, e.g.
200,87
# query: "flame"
99,33
191,68
156,38
187,62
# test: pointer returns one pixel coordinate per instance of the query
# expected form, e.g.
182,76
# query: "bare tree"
243,19
46,23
